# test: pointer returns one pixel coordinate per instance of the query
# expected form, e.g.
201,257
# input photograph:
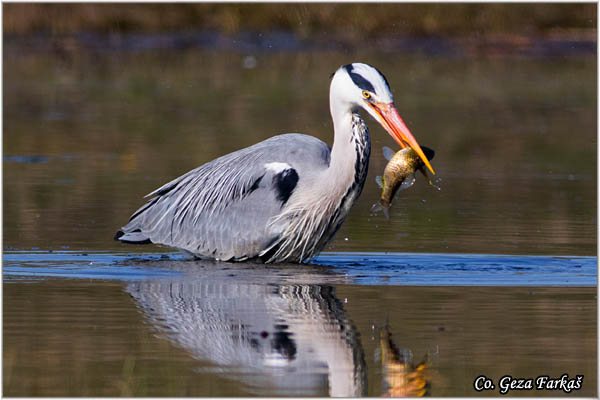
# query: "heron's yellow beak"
393,124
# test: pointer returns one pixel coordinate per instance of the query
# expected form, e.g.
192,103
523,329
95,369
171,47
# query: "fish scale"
399,174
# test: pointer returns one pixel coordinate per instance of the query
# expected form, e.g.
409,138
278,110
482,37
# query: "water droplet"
249,62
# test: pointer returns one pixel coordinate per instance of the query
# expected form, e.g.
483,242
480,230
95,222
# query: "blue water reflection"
399,269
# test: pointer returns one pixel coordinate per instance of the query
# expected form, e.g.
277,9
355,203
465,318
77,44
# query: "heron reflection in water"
278,338
280,200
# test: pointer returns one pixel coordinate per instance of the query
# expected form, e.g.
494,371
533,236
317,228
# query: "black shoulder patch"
283,343
358,79
284,183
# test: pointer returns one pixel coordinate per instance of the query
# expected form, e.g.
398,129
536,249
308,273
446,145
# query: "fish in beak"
393,124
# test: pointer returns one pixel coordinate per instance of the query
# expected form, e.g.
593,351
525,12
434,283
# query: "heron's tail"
133,237
132,232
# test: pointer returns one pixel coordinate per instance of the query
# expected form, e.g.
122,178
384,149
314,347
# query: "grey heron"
282,199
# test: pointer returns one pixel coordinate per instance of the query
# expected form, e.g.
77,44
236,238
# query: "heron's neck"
351,147
330,195
342,150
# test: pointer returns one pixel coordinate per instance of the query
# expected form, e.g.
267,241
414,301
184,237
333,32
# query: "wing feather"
222,208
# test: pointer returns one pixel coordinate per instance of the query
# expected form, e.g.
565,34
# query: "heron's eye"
366,94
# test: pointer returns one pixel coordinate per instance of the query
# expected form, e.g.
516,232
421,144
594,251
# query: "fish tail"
381,205
376,208
386,212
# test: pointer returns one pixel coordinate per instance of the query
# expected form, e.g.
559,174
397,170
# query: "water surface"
398,269
108,324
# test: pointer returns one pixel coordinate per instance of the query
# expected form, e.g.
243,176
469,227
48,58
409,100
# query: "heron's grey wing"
222,209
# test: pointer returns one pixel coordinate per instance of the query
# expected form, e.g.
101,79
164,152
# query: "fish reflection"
401,377
277,338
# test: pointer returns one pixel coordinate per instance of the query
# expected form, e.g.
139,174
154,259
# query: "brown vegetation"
348,19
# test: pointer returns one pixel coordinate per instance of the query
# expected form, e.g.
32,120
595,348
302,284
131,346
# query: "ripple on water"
401,269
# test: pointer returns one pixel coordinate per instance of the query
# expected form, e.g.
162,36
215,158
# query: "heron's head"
361,85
